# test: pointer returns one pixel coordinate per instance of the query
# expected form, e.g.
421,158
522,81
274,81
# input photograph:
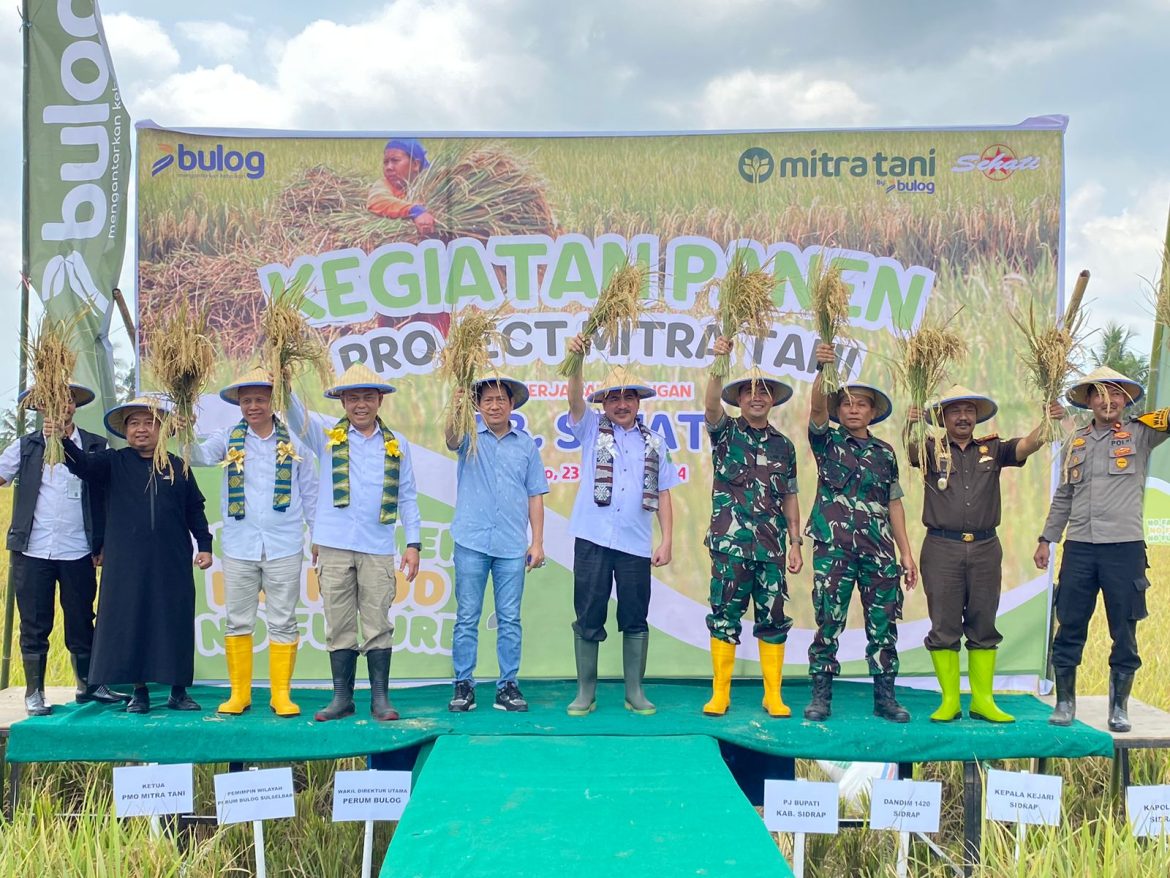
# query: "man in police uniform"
1098,511
754,513
857,519
962,559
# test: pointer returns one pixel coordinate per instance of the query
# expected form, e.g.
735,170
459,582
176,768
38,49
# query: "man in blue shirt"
501,484
626,477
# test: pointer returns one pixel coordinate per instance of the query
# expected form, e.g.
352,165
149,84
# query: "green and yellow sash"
233,462
339,442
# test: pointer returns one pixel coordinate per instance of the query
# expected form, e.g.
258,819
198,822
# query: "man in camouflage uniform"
1098,511
857,519
754,512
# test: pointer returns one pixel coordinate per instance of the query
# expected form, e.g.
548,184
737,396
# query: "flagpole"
10,593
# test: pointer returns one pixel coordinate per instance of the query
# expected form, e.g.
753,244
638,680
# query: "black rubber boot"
86,693
585,652
634,648
378,663
821,706
34,685
1066,698
343,666
884,703
1120,685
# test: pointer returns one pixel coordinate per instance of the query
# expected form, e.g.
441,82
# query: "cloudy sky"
623,65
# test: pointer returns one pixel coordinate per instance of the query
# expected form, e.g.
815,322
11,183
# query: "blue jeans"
471,574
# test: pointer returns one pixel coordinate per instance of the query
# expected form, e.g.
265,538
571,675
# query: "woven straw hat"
882,405
780,391
82,395
985,406
620,378
116,417
519,388
253,378
358,377
1078,393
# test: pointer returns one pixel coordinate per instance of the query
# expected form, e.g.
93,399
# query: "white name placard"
801,806
370,795
905,805
148,790
1149,810
1019,797
241,796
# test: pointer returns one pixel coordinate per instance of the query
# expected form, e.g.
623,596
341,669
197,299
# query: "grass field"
64,824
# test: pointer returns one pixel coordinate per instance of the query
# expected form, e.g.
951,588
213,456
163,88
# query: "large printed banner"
78,169
960,225
1157,500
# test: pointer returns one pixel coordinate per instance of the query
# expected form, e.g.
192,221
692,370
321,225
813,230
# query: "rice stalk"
746,307
617,310
1050,351
290,344
463,360
181,359
830,307
1162,288
51,361
922,361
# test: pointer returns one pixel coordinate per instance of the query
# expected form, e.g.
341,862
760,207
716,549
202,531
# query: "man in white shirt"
269,495
366,487
626,477
55,537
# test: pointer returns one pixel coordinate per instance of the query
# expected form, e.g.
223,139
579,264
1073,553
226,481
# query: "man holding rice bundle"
856,521
366,487
755,525
501,494
1097,510
269,495
145,629
626,477
962,559
403,159
58,524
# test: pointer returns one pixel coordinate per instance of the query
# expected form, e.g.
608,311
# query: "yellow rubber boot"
946,668
282,658
238,649
722,662
981,672
772,665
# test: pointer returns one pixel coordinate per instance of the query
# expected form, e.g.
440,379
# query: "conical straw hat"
519,388
253,378
1078,393
82,395
780,391
985,406
620,378
881,402
358,377
116,417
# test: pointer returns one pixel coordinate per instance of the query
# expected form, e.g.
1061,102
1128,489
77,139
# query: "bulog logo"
997,162
212,161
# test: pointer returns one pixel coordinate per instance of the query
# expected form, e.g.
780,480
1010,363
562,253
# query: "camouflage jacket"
856,481
753,470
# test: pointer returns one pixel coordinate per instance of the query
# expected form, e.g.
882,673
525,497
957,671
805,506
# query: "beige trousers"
353,585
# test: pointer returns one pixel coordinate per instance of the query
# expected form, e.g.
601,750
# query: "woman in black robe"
145,629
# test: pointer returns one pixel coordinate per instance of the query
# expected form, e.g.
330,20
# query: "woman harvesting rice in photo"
402,160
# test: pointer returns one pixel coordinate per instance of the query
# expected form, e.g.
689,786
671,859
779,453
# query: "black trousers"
34,582
1118,571
595,570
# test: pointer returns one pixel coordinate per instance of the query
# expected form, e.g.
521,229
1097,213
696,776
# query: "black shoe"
508,698
378,664
1120,685
102,694
139,701
884,703
343,666
464,698
1066,698
180,700
821,706
35,703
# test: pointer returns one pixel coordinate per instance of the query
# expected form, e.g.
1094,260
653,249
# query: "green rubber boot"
633,670
585,652
981,672
946,668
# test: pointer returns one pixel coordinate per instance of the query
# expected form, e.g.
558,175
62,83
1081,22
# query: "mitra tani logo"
216,161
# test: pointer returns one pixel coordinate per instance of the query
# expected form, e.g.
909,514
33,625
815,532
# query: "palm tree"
1114,349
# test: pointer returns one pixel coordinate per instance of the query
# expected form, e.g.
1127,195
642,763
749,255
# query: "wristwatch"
1043,539
416,546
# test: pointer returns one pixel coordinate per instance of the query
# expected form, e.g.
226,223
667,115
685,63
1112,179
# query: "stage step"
586,806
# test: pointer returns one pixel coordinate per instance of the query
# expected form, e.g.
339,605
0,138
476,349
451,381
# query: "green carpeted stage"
93,733
579,806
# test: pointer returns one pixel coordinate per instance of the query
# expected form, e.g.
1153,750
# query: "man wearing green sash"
366,486
269,495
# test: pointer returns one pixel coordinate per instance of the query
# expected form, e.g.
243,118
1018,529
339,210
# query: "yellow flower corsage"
235,457
392,448
337,435
285,452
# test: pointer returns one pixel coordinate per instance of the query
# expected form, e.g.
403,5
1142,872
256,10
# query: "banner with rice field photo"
956,225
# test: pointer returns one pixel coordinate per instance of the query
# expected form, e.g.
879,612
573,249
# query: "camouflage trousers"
836,571
735,582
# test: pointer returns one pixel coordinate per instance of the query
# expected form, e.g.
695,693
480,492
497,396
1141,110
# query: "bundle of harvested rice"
181,359
51,362
746,307
290,344
830,307
463,360
923,359
1051,350
618,308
